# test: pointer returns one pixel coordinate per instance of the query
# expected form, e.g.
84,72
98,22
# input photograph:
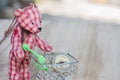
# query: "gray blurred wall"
94,43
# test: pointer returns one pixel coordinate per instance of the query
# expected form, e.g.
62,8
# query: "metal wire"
56,71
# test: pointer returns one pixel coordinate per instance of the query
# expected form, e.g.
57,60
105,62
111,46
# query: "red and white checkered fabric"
29,19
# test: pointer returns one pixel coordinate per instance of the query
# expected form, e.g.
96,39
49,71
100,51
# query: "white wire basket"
60,65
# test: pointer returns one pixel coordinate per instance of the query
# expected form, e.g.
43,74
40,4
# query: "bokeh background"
87,29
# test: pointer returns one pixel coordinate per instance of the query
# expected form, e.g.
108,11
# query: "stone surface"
95,44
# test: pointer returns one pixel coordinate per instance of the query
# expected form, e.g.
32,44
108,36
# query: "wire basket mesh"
60,65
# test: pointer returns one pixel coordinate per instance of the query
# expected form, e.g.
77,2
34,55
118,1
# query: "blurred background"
87,29
107,10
